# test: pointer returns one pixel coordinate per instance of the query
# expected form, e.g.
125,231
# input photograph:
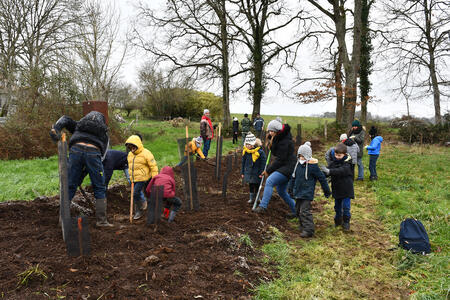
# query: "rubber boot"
252,196
166,213
100,213
172,216
337,222
346,224
137,211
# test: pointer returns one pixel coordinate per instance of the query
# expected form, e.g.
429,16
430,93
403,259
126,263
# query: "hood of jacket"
378,138
135,140
167,171
285,132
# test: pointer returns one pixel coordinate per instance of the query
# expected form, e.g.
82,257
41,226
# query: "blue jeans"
138,194
206,145
360,168
373,165
89,159
342,208
278,180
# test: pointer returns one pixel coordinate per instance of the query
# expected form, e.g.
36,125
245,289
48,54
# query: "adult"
280,169
235,130
258,125
115,160
88,143
246,127
206,131
357,134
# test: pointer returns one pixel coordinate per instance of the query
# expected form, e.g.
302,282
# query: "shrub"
417,131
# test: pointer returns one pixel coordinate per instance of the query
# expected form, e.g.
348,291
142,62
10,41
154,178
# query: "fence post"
325,129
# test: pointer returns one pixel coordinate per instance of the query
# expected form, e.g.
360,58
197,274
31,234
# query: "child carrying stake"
142,167
253,163
340,170
193,148
304,178
166,179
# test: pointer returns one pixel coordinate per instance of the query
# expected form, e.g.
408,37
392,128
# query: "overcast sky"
388,103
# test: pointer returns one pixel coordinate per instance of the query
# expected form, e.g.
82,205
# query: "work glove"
365,147
324,169
352,137
55,135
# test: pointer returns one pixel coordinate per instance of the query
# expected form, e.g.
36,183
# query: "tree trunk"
258,85
225,68
339,92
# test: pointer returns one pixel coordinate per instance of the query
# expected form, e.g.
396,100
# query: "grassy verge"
365,263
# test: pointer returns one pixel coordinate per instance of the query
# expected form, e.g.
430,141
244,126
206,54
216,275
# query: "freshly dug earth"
203,254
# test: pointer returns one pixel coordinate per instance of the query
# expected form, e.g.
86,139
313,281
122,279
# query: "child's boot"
166,213
346,224
338,221
100,213
137,211
252,196
172,216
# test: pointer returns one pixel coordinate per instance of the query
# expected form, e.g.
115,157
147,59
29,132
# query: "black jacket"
235,126
342,178
304,188
283,151
90,129
359,135
251,170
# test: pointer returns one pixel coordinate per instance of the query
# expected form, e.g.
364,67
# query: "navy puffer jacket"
342,178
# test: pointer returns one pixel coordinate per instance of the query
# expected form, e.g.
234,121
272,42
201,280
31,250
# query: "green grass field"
366,264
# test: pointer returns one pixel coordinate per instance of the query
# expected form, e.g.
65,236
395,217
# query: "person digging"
88,143
192,148
166,179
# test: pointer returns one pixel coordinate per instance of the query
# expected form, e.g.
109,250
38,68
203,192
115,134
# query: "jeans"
278,180
360,168
138,193
206,146
342,208
175,201
373,165
89,159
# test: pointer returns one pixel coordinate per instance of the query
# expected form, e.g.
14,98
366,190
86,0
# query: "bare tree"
419,40
96,45
192,35
258,22
338,13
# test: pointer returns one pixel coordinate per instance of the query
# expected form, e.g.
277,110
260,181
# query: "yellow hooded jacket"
194,149
141,163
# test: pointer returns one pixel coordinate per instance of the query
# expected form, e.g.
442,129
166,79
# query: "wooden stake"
132,202
191,201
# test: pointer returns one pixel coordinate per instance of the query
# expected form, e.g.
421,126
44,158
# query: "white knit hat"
305,150
343,137
235,119
250,139
275,125
205,111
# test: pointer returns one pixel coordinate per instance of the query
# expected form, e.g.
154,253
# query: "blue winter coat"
304,188
375,146
251,170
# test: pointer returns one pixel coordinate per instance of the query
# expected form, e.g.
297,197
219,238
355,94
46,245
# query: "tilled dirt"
200,255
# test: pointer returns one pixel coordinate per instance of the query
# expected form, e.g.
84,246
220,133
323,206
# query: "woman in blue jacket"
374,151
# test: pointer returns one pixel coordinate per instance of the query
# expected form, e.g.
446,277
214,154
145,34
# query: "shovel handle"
132,202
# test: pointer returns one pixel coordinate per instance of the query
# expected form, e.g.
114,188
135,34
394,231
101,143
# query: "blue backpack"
414,237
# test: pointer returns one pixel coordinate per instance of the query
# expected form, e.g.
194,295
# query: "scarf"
253,152
210,125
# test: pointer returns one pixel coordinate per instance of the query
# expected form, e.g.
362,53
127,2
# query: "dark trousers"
174,201
253,188
81,159
304,215
235,137
373,165
206,146
258,134
342,208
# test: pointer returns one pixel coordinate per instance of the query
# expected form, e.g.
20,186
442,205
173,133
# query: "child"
166,179
352,149
341,185
88,143
304,178
141,167
253,163
193,147
374,151
235,130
